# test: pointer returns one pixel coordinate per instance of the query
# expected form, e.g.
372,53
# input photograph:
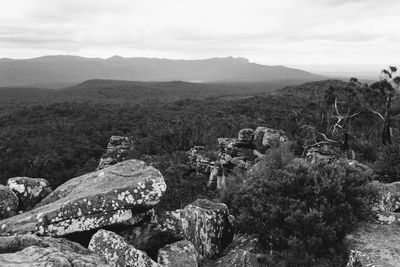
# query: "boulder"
246,135
206,224
199,160
30,191
244,251
388,196
179,254
117,148
120,194
31,250
8,202
374,245
113,249
265,138
163,228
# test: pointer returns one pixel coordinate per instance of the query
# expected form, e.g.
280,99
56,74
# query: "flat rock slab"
374,245
119,194
31,250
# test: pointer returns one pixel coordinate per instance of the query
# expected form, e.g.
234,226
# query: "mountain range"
61,71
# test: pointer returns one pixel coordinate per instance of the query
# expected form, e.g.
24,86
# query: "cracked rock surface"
119,194
8,202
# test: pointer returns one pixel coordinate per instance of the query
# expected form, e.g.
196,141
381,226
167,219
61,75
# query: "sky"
317,35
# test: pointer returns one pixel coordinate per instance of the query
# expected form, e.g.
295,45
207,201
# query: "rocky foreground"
108,218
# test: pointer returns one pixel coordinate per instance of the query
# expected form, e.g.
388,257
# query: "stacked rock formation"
117,148
239,152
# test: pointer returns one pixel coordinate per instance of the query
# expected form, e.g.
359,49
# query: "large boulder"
31,250
120,194
113,249
30,191
179,254
206,224
117,149
8,202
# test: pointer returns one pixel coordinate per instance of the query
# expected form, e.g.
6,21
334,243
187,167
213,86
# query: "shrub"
387,166
302,208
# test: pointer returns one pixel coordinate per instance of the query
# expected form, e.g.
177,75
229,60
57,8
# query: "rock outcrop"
8,202
31,250
30,191
117,148
206,224
113,249
179,254
120,194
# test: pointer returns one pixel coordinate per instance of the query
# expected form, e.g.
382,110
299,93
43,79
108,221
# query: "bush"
302,208
387,166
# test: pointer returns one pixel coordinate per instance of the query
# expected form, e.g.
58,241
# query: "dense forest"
59,135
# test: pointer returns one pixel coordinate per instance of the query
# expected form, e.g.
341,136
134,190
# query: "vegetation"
301,209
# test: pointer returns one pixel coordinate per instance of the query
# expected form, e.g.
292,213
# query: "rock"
244,251
113,249
164,228
117,149
179,254
388,196
199,160
30,191
8,202
246,135
120,194
265,138
31,250
206,224
374,245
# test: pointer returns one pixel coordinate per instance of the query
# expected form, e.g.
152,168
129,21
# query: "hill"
58,71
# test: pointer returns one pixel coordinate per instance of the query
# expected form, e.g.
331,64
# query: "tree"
386,88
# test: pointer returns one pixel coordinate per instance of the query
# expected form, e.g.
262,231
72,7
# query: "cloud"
270,32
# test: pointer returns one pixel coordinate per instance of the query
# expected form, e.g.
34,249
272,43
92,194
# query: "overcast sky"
280,32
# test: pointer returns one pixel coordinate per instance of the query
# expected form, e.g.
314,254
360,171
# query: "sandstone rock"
179,254
8,202
244,251
117,147
30,250
198,159
30,191
206,224
374,245
164,228
265,138
246,135
120,194
388,196
113,249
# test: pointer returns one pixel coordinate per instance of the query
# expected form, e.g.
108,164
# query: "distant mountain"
55,71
